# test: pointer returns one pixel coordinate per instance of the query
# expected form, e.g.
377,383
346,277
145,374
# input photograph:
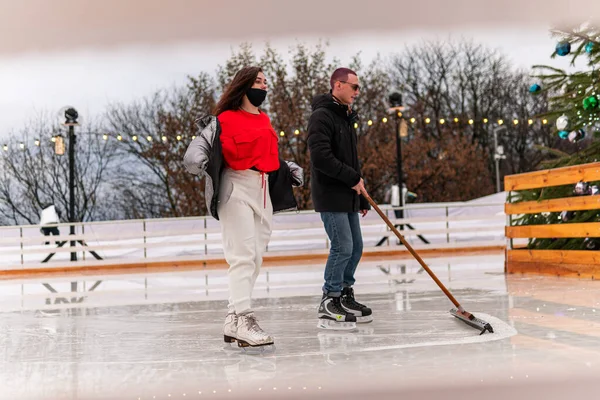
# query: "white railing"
441,224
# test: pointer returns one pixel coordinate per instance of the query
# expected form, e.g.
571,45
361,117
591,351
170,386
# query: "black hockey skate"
362,313
333,316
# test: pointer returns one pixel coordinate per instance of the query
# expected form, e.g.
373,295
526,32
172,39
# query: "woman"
246,181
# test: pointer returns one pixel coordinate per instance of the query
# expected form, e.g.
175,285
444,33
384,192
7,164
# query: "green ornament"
590,102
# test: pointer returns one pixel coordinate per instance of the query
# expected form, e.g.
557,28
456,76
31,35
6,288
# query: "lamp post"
498,155
71,116
395,103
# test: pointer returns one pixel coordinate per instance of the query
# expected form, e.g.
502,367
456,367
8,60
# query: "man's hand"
359,187
364,213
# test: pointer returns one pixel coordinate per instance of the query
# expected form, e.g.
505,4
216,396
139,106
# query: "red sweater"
249,140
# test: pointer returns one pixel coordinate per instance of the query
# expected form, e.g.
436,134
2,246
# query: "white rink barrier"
444,225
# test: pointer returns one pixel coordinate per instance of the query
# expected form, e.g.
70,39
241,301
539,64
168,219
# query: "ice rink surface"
158,336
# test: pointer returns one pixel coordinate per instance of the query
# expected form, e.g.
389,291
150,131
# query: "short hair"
340,74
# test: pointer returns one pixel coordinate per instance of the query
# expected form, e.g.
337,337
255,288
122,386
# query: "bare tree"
293,88
476,86
153,135
33,176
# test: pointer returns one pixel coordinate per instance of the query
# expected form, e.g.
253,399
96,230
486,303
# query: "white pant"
246,214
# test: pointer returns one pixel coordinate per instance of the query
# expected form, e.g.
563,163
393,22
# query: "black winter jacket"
204,155
334,162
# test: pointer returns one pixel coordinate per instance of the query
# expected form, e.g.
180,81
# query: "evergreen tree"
574,99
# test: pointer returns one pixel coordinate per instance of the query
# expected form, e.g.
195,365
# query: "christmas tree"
574,107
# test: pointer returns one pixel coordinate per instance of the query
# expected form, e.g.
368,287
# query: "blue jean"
346,250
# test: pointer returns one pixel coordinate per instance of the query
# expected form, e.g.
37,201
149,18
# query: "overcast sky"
45,70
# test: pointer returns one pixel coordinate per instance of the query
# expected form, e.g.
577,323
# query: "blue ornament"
535,88
563,134
563,48
589,47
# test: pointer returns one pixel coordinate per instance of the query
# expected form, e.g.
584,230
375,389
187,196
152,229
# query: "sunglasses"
354,86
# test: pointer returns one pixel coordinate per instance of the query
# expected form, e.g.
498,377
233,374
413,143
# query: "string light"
370,122
399,113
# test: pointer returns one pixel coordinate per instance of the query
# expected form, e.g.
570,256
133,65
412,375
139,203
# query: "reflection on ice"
148,336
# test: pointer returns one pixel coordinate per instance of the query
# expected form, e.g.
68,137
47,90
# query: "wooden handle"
411,250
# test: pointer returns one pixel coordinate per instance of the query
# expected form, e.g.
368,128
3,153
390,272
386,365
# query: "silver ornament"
566,216
576,136
562,122
582,188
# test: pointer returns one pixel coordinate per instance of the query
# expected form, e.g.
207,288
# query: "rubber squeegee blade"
472,321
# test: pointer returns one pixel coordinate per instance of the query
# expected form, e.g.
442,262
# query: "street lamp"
396,107
498,154
71,116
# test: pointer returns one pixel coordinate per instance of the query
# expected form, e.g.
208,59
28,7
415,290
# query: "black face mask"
256,96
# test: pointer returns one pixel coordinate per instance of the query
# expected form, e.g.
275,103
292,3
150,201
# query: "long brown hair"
236,90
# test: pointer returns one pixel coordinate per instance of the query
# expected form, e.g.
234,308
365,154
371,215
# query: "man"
336,185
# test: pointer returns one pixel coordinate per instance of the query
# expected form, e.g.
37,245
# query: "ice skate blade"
335,325
245,344
364,320
257,350
231,348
